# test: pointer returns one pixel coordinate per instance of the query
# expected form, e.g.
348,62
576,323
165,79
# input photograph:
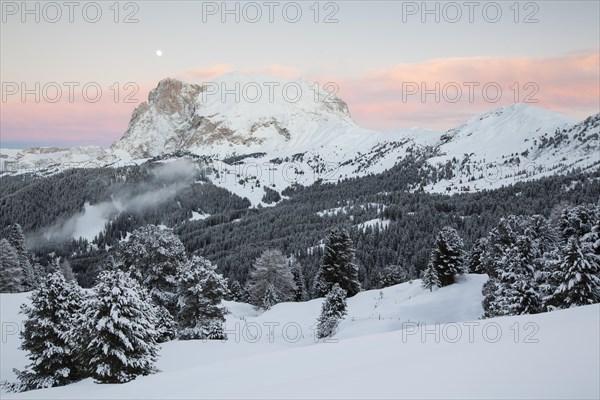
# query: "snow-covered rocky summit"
235,110
269,131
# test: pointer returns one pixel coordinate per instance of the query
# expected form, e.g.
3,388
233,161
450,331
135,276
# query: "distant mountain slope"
258,131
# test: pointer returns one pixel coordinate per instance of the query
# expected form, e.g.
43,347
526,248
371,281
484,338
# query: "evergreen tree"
596,238
338,265
516,292
201,292
577,221
300,292
235,291
152,255
392,275
271,268
590,242
431,278
518,259
270,297
475,261
11,275
332,311
46,335
31,277
447,257
166,327
578,277
121,326
489,298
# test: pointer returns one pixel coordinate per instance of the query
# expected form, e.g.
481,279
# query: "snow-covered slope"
258,130
515,143
400,342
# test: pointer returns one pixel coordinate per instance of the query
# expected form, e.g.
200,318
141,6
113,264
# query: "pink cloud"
198,74
384,99
377,99
77,120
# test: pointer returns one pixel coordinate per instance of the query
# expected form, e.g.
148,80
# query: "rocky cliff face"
235,110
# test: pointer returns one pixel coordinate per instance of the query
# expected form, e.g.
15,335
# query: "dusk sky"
376,50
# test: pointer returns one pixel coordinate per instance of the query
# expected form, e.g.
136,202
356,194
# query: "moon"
159,53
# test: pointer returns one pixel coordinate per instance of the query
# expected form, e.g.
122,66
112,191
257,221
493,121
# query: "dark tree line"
293,225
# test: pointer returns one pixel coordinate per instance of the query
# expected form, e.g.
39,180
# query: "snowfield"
398,342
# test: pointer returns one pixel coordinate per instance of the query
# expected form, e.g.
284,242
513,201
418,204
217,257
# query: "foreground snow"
383,350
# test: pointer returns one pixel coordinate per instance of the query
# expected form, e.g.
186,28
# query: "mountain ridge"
260,120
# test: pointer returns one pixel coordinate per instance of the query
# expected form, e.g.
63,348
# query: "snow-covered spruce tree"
166,327
392,275
31,277
578,221
489,298
596,237
338,265
590,242
529,242
201,292
119,322
11,275
271,268
300,293
475,263
47,337
152,255
516,290
431,278
578,277
235,291
333,310
270,298
447,257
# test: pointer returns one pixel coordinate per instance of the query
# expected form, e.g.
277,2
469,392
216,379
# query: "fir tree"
431,278
166,327
271,268
201,292
446,259
31,277
517,292
596,238
235,291
47,335
518,258
152,255
270,297
489,298
11,275
392,275
476,261
578,274
121,327
338,265
300,292
332,311
577,221
590,242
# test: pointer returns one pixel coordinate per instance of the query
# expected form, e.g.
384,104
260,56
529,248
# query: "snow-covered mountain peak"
261,93
502,130
235,109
